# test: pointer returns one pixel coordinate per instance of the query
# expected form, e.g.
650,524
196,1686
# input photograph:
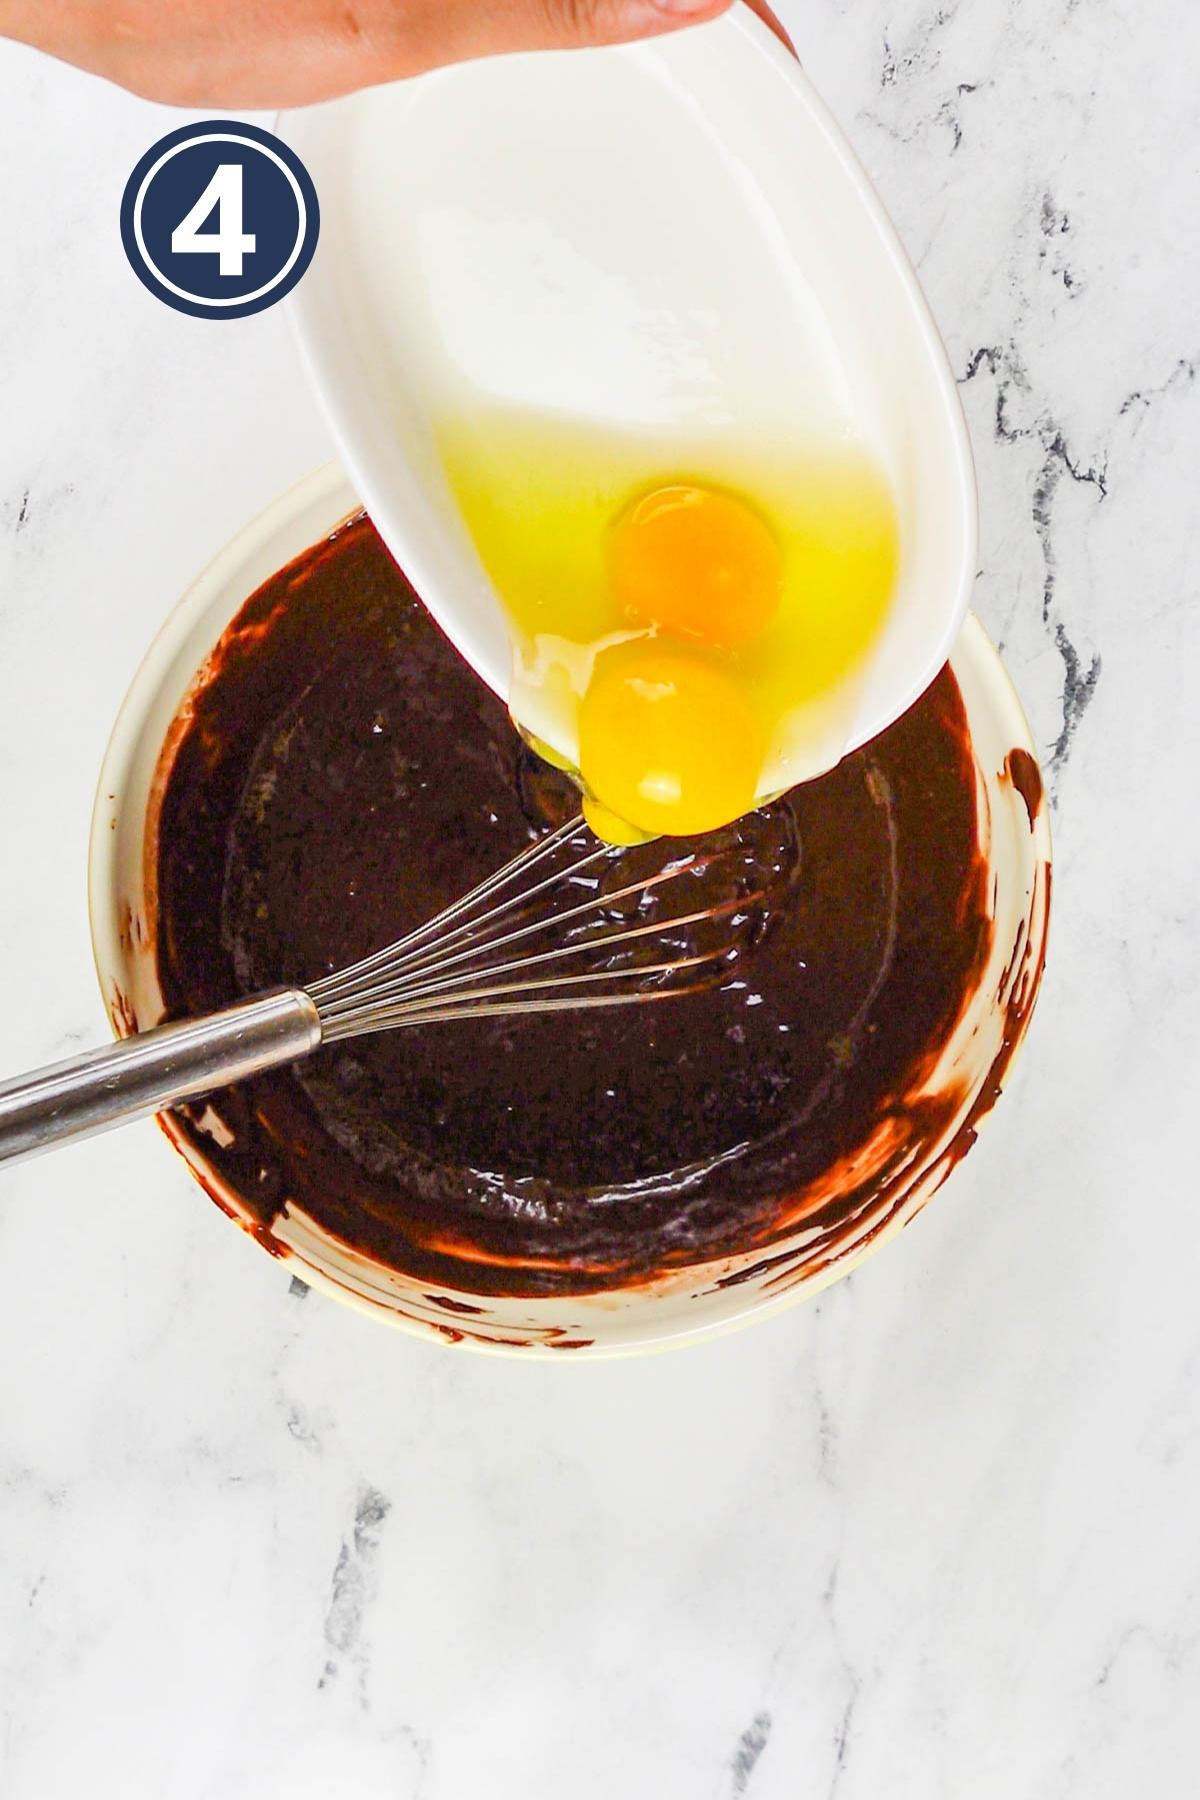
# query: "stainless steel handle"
156,1069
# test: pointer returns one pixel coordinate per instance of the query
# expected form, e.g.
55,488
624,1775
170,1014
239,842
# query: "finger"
769,18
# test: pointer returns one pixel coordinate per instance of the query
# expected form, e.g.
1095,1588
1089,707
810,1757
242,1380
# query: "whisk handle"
155,1069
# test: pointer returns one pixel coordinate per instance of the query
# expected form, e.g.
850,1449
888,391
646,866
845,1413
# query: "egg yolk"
696,562
668,744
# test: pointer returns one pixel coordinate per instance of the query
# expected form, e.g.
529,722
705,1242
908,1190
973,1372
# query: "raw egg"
689,630
668,742
696,562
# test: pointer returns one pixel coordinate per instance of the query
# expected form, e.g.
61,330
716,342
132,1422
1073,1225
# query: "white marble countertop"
934,1535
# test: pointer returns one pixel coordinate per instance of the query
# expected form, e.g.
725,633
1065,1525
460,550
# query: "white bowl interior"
697,1301
671,239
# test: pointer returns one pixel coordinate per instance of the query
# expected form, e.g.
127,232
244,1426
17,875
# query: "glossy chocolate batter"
342,775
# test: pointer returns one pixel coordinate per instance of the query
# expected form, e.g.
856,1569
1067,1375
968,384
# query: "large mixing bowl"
891,1175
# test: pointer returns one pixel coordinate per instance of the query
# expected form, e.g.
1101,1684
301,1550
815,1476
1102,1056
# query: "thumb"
610,21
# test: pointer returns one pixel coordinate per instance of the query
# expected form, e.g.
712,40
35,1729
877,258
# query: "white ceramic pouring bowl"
690,1303
670,237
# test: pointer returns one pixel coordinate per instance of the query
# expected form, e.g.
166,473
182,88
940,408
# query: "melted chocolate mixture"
342,775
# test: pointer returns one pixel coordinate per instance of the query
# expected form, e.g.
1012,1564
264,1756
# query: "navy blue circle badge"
219,219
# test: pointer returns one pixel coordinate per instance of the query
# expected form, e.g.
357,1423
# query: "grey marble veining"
931,1536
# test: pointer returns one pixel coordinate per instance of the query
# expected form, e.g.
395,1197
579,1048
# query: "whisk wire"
478,957
395,956
421,1002
436,964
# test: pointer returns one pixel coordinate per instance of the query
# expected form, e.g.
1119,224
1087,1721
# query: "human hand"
250,54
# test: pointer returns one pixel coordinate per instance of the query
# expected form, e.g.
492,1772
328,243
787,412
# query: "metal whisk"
545,933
